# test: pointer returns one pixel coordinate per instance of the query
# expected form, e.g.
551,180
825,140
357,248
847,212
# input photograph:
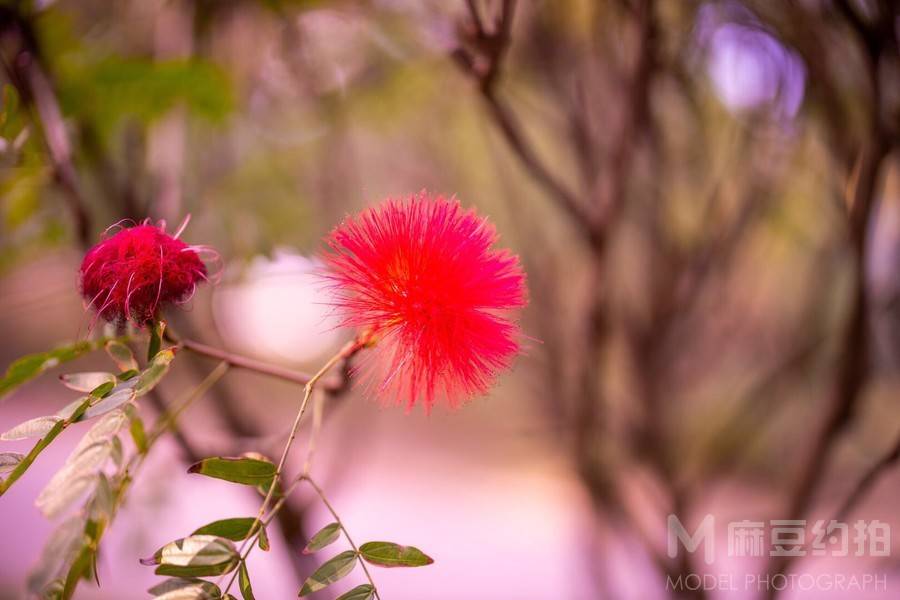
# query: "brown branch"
598,479
853,362
868,35
241,362
852,369
637,128
637,111
476,18
868,480
251,364
492,47
512,132
28,75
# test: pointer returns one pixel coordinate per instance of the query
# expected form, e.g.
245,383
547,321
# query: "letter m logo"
705,535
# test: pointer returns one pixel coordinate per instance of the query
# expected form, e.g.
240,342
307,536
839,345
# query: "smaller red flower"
136,271
421,276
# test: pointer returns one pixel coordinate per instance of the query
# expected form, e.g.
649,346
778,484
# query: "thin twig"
318,407
340,523
289,519
495,45
243,362
247,546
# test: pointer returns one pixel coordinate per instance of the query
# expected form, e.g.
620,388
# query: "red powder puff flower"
134,272
421,276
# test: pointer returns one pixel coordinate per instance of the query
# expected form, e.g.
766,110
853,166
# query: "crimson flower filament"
422,277
133,273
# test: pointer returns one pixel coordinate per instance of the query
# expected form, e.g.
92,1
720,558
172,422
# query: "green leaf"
39,447
120,396
248,471
29,367
156,335
85,382
263,489
389,554
195,556
121,355
118,453
185,589
9,461
263,540
155,372
360,592
113,89
244,583
102,504
138,434
126,375
93,529
90,408
82,467
60,493
32,428
323,537
104,389
235,529
62,547
80,568
331,571
102,430
196,570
